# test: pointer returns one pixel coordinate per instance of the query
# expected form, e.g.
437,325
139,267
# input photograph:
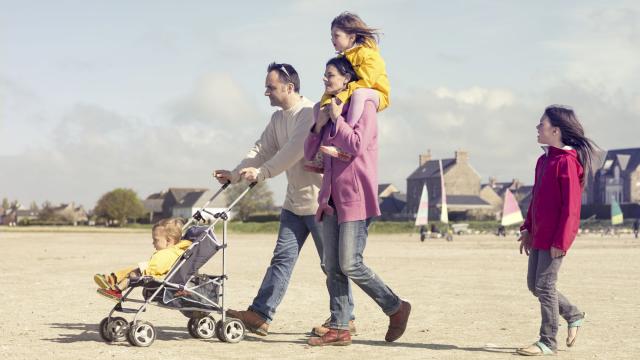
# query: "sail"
444,214
511,213
616,213
423,209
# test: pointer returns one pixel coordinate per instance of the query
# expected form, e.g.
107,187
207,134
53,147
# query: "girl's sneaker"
115,295
104,281
336,152
316,164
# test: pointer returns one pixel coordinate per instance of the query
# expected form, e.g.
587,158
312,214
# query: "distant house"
392,206
18,216
618,179
493,193
462,183
181,202
72,214
194,201
160,205
392,202
385,190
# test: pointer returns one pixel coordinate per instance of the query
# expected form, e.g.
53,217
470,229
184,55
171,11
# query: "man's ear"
291,88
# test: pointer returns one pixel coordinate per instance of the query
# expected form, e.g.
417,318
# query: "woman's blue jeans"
343,247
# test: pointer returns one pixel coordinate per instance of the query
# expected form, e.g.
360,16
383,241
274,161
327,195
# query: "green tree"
5,204
120,205
258,199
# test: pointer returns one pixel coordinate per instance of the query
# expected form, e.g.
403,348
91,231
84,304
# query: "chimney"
462,156
492,181
423,158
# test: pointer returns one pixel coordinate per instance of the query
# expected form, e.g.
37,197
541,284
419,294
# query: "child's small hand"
556,253
525,242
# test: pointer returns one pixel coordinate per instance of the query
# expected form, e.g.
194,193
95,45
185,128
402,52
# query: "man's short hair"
286,74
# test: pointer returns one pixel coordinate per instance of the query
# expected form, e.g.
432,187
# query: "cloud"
602,47
215,97
93,149
491,99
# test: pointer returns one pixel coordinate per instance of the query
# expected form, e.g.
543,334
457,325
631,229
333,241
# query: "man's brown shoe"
320,330
398,322
252,321
332,337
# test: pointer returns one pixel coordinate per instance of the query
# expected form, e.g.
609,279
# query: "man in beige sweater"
280,148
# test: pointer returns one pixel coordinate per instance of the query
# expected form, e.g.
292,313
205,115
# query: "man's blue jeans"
294,230
343,247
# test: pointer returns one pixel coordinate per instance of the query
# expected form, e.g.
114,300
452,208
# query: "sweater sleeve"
570,200
264,149
312,140
355,140
291,152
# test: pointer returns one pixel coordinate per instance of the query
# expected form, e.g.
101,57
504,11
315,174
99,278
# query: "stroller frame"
201,324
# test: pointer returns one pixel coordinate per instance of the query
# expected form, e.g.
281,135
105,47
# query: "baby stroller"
195,295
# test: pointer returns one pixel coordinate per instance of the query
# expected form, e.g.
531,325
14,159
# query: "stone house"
618,178
462,183
182,202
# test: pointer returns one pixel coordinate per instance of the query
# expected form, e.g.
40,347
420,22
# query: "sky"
147,95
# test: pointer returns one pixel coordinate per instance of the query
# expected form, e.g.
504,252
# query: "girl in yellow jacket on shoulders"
353,39
169,247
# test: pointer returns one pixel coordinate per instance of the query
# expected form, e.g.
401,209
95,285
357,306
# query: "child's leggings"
356,106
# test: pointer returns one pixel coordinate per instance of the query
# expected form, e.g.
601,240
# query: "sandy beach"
469,299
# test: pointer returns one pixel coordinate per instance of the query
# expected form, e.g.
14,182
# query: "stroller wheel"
202,328
114,330
141,333
231,331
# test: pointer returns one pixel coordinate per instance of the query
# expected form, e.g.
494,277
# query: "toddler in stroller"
195,295
169,247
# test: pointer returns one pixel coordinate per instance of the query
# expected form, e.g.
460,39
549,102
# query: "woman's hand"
335,109
556,253
322,120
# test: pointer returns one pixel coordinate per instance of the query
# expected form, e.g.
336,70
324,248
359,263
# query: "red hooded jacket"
554,212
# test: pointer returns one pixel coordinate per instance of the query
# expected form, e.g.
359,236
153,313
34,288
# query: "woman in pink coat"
348,202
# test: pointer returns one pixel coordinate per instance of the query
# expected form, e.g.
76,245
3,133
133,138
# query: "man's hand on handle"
223,176
250,174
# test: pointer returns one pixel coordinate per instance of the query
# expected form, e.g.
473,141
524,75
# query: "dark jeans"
294,230
541,280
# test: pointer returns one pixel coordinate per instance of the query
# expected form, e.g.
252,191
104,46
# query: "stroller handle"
197,216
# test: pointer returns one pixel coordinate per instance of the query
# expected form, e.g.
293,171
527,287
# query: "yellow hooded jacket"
162,260
371,69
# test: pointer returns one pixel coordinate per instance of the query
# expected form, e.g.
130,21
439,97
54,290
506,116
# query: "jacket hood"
555,151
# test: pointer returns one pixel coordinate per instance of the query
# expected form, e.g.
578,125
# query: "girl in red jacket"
553,219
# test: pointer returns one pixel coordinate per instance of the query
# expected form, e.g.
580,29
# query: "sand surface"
469,299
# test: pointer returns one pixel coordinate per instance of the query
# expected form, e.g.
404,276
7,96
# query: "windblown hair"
172,228
572,132
351,23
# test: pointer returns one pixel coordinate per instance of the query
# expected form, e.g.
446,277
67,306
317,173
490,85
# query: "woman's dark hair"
352,24
572,132
344,67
